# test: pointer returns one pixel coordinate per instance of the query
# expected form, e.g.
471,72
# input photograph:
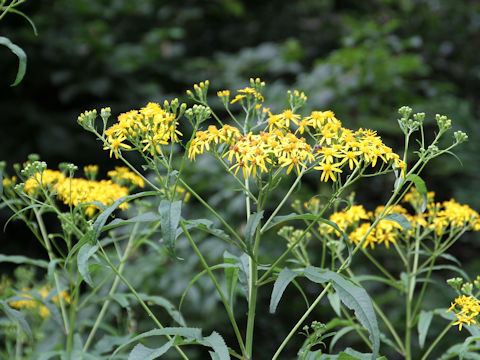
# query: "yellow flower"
328,171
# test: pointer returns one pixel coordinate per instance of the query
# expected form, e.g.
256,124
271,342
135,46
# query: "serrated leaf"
283,280
103,217
22,58
400,220
354,297
251,228
146,217
170,218
19,259
17,316
423,325
216,342
141,352
84,254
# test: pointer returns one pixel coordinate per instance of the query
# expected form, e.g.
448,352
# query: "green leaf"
231,276
103,217
216,342
86,238
146,217
18,259
334,301
423,325
354,297
170,218
32,24
400,220
22,58
339,335
421,188
85,253
141,352
251,229
284,278
126,299
17,316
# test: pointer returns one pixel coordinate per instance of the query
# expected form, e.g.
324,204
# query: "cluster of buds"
198,112
296,99
407,124
87,119
201,90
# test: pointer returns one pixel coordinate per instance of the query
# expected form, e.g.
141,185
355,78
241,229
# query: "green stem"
113,288
51,256
300,322
204,203
283,201
217,286
137,296
436,341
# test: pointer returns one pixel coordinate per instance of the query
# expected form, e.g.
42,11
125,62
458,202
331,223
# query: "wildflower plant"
259,149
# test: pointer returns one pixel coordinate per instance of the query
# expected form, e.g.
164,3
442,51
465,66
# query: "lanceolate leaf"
170,218
103,217
400,220
354,297
283,280
85,253
146,217
18,259
22,58
16,315
215,341
424,321
141,352
251,228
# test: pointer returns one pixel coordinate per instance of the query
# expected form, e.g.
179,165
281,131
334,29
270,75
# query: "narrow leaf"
141,352
103,217
19,259
84,255
17,316
146,217
400,220
283,279
423,325
170,218
354,297
334,301
216,342
251,228
22,58
231,276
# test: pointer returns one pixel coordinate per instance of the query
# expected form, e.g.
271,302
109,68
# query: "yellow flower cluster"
31,303
466,308
77,191
122,175
439,217
334,147
147,128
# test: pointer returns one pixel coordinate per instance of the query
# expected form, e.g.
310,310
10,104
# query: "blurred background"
362,60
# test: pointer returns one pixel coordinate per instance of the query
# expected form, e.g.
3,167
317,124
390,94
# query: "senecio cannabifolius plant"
259,149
